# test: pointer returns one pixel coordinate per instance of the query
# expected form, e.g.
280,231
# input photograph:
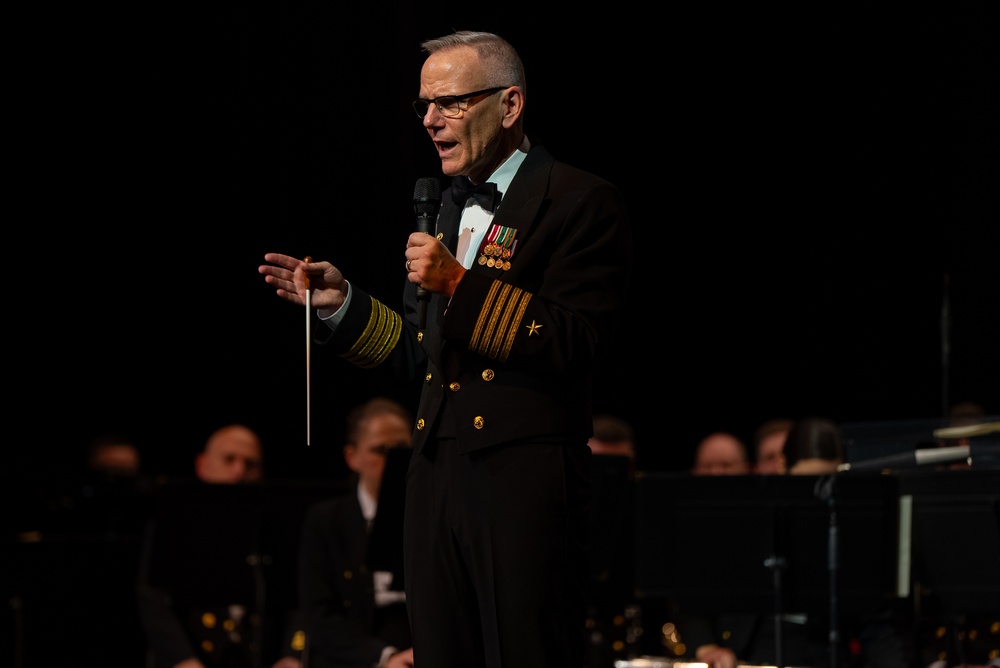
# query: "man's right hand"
288,275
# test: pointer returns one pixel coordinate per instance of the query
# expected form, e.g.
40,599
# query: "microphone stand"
256,561
777,564
824,491
945,346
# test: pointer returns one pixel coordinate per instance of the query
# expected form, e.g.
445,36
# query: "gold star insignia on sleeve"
533,329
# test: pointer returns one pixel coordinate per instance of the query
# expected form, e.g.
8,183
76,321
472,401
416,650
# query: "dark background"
814,197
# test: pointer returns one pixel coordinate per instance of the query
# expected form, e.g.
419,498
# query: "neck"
509,143
372,488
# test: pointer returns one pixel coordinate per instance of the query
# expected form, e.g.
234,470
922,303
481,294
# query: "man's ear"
514,102
351,456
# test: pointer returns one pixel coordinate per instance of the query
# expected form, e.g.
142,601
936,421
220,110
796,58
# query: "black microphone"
426,204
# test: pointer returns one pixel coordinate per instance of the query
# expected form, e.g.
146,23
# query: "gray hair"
500,60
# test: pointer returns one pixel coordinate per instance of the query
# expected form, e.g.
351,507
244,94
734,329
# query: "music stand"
956,538
214,545
611,534
385,541
611,556
788,550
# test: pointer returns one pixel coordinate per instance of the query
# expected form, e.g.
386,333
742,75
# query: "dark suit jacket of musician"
515,353
344,629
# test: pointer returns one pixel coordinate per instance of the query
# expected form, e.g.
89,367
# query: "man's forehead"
448,69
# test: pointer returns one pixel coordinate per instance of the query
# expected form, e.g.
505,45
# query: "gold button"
454,387
488,375
440,236
420,337
479,422
420,424
427,378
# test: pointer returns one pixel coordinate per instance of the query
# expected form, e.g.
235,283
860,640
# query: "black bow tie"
485,193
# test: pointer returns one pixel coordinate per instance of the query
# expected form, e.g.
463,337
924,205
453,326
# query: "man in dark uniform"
355,615
525,282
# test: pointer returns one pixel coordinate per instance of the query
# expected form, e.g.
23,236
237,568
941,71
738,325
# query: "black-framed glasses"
451,106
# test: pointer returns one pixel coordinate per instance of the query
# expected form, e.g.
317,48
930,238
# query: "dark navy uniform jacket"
512,355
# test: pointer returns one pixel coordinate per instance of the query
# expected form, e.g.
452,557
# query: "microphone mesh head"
427,197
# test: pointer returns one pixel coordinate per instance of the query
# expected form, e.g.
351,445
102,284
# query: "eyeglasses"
451,106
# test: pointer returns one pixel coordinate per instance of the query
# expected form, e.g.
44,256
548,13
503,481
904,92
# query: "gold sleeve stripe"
491,322
499,318
501,331
512,330
477,331
378,339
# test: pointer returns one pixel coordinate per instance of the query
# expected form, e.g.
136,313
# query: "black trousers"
495,555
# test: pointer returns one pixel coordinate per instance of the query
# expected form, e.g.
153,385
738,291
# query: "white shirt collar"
504,174
368,503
